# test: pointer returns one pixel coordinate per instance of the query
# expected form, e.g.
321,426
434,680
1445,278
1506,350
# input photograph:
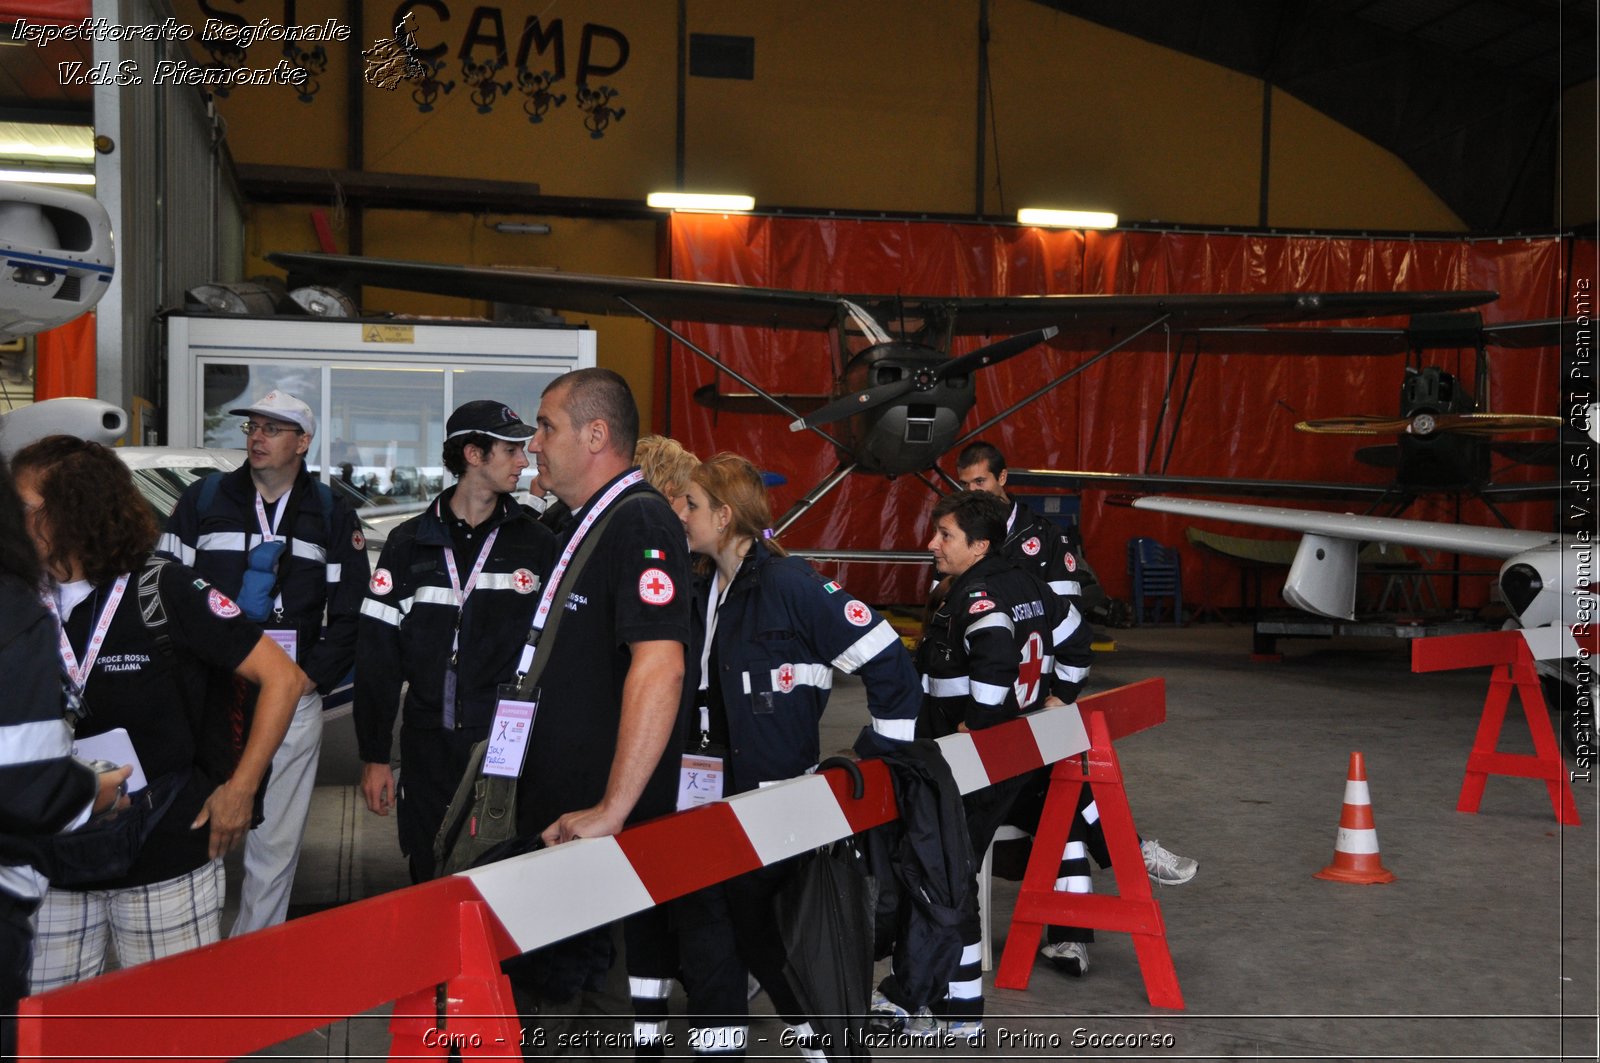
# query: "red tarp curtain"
64,360
1242,408
47,12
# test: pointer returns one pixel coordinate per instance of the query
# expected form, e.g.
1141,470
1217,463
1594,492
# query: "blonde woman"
769,633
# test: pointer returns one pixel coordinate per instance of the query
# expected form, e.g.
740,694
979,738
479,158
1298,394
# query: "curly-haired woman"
139,639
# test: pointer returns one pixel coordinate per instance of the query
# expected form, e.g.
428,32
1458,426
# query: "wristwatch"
100,768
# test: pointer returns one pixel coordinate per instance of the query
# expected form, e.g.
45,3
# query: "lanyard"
79,673
269,532
713,613
547,600
472,581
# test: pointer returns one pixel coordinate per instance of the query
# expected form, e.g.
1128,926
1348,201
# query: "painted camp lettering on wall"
484,55
227,36
531,60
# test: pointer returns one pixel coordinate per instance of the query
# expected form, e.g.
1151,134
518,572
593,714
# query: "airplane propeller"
881,394
1424,423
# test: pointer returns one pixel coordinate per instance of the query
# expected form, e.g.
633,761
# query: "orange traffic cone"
1355,848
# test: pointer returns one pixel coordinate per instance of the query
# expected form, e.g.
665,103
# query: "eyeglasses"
267,428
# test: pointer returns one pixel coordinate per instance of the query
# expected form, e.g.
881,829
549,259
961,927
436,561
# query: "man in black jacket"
291,554
447,611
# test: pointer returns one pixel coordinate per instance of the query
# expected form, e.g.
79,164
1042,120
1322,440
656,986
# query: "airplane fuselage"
910,434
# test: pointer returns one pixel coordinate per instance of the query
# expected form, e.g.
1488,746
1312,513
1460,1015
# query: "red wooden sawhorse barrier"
435,948
1513,670
1134,909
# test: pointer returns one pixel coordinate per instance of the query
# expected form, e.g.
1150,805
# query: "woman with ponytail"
769,633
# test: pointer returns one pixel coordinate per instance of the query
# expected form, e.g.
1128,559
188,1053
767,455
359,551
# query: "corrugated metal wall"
175,211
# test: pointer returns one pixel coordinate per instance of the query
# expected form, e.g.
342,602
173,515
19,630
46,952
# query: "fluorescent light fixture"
23,142
699,201
522,228
45,177
1067,219
12,149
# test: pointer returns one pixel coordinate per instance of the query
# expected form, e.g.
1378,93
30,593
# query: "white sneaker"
922,1025
885,1016
1069,956
1167,868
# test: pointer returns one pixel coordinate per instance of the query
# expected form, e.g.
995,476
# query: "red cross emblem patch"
522,581
655,587
221,604
382,583
982,605
785,677
358,540
1030,546
1071,562
857,614
1030,669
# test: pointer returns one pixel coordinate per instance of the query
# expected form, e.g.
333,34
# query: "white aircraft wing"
1322,579
1424,534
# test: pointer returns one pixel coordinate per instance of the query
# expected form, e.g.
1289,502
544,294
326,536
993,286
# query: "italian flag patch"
654,555
831,586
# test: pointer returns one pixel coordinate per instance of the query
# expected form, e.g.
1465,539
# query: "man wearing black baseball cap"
447,611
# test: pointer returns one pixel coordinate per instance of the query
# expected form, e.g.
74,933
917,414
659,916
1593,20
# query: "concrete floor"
1485,947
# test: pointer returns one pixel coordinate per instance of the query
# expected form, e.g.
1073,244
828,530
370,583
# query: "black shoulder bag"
480,826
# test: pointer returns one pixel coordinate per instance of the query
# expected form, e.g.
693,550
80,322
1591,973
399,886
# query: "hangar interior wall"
851,106
1242,408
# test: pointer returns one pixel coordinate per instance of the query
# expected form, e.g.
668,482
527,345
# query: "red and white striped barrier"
244,994
604,879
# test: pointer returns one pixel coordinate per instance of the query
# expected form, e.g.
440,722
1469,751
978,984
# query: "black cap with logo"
487,417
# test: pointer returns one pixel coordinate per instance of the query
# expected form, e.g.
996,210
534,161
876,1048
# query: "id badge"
699,780
288,639
509,734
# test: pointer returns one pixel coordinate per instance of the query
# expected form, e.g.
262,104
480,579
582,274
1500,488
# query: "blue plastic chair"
1155,572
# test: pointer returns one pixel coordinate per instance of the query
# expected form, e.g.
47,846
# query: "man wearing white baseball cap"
292,555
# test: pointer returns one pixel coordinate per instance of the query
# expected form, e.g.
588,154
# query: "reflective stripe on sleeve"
866,648
1066,588
335,573
995,619
1071,673
1065,629
379,611
308,551
176,547
25,743
898,730
436,596
988,693
953,687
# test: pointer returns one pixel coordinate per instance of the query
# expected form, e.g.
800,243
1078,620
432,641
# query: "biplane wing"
733,304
